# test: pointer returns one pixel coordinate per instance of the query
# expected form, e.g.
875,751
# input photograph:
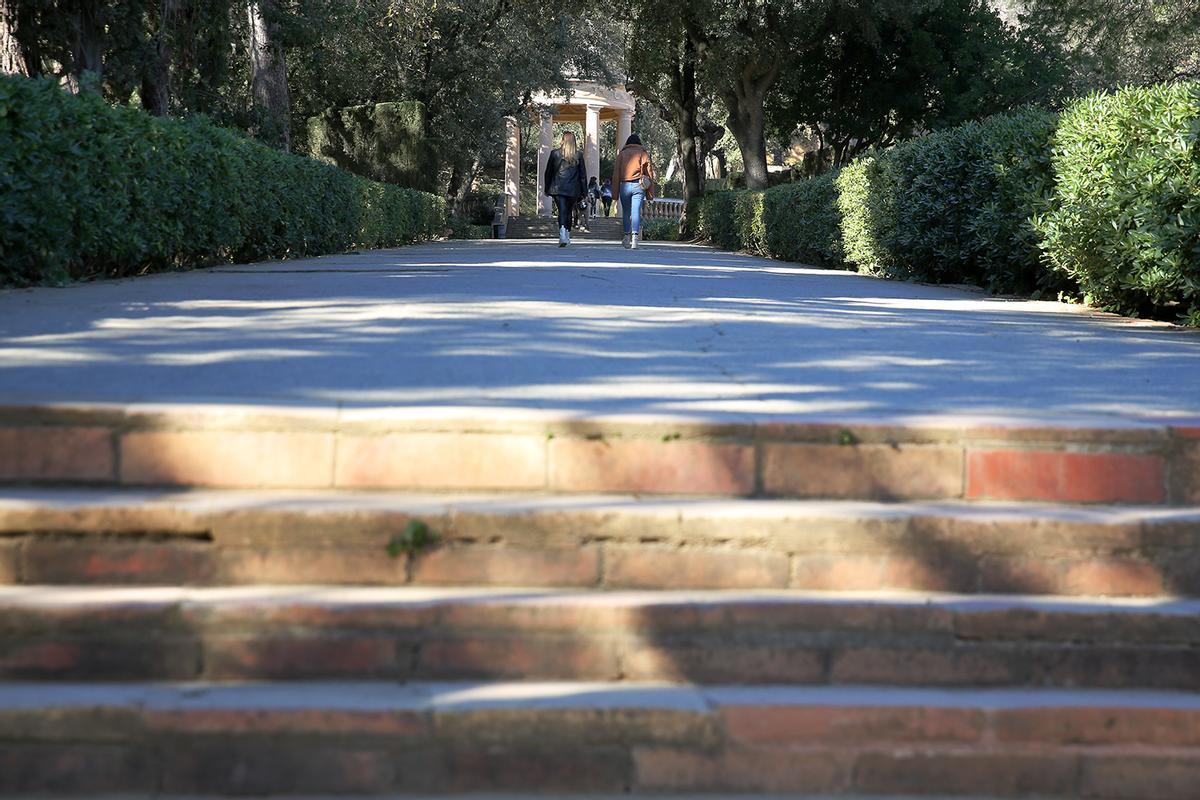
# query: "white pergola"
590,104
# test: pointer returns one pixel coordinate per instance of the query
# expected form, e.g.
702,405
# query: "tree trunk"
462,175
746,120
14,60
87,45
155,91
268,76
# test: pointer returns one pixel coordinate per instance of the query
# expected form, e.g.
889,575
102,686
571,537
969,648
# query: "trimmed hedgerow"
660,230
1125,222
802,222
87,189
955,206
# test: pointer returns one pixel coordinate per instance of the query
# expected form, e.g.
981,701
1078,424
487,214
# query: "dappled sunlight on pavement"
590,329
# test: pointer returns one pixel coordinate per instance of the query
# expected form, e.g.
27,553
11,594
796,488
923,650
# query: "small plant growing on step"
417,536
846,436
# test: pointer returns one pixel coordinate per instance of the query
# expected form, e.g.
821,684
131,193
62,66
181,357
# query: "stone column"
512,165
591,138
624,127
545,145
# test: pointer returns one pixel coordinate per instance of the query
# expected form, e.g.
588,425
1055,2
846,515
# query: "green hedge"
1126,221
87,189
1103,201
954,206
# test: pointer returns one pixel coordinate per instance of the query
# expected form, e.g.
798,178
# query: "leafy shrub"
711,219
88,189
660,230
1126,221
954,206
802,222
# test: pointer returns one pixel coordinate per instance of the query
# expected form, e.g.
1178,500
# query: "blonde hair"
569,149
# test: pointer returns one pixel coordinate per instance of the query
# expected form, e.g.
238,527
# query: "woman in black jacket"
566,182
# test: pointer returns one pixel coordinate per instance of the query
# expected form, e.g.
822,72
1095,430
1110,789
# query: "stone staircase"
233,601
598,229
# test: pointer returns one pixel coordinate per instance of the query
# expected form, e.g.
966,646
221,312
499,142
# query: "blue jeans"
632,197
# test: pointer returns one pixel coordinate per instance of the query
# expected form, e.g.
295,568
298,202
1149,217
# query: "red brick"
651,467
694,568
330,722
1065,477
102,658
911,667
56,454
524,657
84,769
1020,576
545,768
234,766
441,461
905,771
742,769
1159,727
316,565
10,561
1117,776
232,459
508,566
1185,473
849,573
254,657
1113,576
850,725
868,472
82,559
648,659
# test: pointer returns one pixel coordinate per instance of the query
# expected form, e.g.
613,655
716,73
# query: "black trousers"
565,206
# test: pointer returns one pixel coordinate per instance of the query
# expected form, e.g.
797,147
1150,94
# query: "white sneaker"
564,238
633,237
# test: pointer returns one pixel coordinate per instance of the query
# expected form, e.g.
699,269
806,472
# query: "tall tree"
889,71
1121,42
662,63
15,58
744,46
268,74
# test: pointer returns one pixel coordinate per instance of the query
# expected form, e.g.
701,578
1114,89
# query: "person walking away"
634,174
606,195
566,182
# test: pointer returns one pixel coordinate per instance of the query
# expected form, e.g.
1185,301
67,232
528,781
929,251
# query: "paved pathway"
670,329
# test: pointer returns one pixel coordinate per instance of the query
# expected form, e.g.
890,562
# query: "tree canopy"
842,74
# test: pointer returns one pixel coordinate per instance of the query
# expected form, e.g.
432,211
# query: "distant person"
606,195
566,181
634,174
593,197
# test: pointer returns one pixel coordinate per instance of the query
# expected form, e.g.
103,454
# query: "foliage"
874,77
954,206
802,222
1117,43
87,189
416,537
660,230
1126,221
386,142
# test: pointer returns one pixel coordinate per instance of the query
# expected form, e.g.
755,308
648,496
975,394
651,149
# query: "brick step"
601,228
300,633
322,738
1101,461
164,537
